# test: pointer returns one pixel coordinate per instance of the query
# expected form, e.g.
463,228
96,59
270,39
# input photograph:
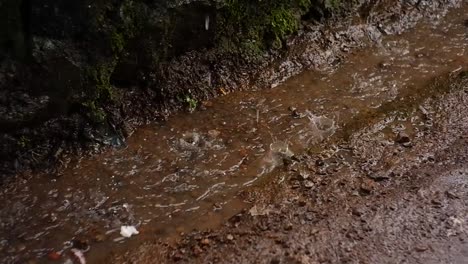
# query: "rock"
288,226
309,184
297,114
367,187
402,138
81,244
230,237
99,237
379,176
452,195
319,162
358,212
197,250
421,248
214,133
407,144
205,241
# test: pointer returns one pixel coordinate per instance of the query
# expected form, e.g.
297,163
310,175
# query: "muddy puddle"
188,172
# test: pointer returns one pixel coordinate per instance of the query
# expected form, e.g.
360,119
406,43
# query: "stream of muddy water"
188,172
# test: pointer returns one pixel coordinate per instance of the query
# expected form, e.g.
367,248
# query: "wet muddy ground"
313,161
388,202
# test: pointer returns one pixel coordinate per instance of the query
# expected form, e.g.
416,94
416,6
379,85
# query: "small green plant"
192,103
282,23
23,141
96,114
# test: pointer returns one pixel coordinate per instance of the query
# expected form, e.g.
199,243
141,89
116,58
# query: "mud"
385,202
295,158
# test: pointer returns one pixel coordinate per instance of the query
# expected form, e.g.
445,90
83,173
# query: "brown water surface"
187,172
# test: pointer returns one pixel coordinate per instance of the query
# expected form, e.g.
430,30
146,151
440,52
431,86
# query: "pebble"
99,238
358,212
451,195
214,133
308,184
205,241
230,237
309,216
402,138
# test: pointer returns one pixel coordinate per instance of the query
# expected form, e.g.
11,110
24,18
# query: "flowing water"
188,172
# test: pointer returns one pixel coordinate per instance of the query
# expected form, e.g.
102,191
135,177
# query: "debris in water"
54,255
207,22
78,254
128,231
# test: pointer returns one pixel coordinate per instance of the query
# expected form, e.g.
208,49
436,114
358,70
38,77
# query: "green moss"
283,22
94,112
117,42
252,27
100,76
100,90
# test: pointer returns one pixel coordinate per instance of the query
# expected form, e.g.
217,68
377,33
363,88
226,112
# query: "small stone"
213,133
207,103
421,248
402,137
436,202
358,212
295,184
407,144
99,237
451,195
177,256
197,250
230,237
81,244
205,241
288,226
367,187
308,184
384,65
275,261
319,162
297,114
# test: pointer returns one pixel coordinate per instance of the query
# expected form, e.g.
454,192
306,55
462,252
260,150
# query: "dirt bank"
371,199
75,102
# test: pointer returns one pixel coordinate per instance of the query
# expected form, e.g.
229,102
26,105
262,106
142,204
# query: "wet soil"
417,215
308,192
